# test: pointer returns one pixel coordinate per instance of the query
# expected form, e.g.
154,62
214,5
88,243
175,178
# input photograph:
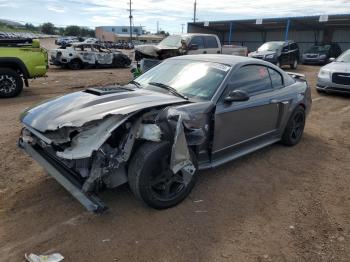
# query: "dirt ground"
277,204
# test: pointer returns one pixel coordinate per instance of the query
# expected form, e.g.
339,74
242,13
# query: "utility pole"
130,18
157,27
195,11
182,28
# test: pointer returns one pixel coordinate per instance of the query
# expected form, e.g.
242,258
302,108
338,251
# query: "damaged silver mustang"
187,114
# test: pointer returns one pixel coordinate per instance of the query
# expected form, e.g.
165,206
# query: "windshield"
319,49
270,46
344,57
171,41
194,79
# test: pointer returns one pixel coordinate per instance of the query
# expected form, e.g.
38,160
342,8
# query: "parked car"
80,55
91,41
20,60
279,53
335,77
321,53
187,44
189,113
63,41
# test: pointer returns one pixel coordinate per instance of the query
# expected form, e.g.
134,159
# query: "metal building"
305,30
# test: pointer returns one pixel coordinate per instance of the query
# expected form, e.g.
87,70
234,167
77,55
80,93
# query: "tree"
73,30
163,33
87,32
48,28
30,26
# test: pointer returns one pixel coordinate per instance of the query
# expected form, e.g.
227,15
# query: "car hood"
341,67
79,108
152,50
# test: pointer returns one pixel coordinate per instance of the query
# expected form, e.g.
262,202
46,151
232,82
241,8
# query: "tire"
295,64
11,83
150,178
75,64
120,62
295,127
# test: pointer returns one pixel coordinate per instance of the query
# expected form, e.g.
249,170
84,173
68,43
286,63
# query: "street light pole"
130,18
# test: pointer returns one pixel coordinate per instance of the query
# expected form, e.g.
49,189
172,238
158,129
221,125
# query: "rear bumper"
63,176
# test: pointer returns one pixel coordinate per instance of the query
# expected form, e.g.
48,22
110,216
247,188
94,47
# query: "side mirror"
331,59
236,96
193,47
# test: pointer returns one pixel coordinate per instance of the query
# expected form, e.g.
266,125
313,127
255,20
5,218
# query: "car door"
199,42
211,45
239,125
285,55
103,56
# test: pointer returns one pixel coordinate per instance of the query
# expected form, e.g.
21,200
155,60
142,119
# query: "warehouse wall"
342,37
252,40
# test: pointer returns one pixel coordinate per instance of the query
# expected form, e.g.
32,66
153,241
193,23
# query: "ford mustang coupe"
186,114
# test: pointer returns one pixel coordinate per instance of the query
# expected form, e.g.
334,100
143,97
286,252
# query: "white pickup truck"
187,44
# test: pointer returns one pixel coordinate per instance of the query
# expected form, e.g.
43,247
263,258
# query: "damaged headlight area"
98,152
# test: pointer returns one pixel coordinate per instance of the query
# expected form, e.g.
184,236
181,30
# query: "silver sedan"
335,77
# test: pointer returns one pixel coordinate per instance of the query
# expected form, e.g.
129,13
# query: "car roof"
222,59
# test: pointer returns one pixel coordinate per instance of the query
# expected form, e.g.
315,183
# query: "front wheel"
11,83
151,179
294,65
295,127
75,64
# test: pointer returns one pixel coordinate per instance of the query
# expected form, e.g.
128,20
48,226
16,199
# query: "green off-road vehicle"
20,60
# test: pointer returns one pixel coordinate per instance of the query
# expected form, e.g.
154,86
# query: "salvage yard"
278,204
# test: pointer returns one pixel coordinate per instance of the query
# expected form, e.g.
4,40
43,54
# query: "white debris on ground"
56,257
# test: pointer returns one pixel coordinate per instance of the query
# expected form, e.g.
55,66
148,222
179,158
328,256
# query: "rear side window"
252,79
198,40
293,46
276,78
211,42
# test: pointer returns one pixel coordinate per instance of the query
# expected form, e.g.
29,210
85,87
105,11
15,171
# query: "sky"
170,13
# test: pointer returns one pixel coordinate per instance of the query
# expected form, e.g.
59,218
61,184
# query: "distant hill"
9,22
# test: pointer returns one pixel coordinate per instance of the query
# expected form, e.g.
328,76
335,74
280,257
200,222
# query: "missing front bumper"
65,177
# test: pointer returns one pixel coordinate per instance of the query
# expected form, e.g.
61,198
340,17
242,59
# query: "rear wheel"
11,83
151,179
295,127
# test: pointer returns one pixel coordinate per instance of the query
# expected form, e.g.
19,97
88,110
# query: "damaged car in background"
88,55
185,44
187,114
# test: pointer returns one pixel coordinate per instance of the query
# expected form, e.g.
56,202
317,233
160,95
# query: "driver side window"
198,40
252,79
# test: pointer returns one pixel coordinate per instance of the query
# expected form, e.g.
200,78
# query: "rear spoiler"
297,76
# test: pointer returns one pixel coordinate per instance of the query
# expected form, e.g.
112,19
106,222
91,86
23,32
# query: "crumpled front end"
94,155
